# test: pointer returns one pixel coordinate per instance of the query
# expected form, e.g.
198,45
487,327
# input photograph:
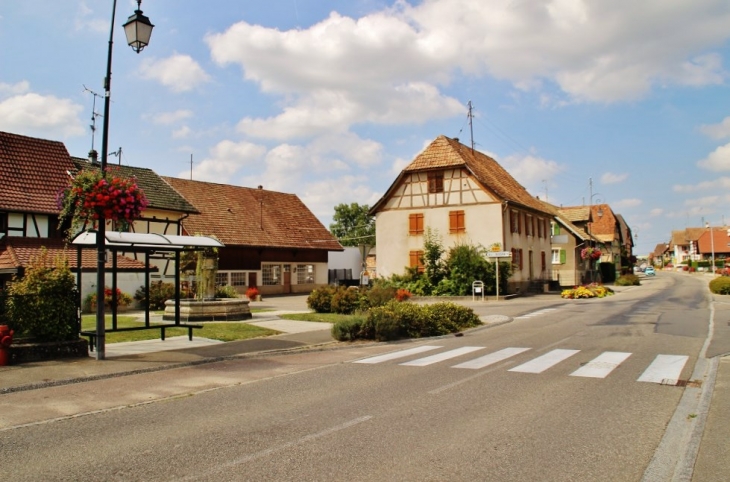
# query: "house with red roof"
272,240
464,196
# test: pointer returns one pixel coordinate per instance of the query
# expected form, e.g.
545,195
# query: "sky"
583,101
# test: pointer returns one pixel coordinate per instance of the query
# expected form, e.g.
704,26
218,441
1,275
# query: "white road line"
601,366
542,363
429,360
536,313
397,354
664,369
491,359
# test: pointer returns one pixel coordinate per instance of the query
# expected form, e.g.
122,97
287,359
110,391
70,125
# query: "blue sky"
329,100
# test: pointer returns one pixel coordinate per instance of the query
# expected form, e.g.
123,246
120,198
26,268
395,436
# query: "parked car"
649,271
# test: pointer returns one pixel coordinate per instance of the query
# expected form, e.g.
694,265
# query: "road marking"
429,360
542,363
397,354
601,366
491,359
535,313
664,369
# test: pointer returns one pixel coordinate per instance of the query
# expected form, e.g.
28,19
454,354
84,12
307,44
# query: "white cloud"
718,160
531,171
167,118
182,133
719,183
717,131
179,72
225,160
611,178
656,212
46,116
706,201
14,89
627,203
85,20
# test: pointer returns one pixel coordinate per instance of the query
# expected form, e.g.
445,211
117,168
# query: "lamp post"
138,30
712,246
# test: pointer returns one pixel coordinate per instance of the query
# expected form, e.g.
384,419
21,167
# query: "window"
517,259
555,227
238,278
415,224
456,222
305,274
271,274
221,279
540,228
519,254
529,225
416,260
558,256
514,222
543,264
435,182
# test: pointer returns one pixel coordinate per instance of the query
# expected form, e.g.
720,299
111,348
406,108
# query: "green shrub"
159,293
320,300
345,300
349,329
226,291
628,280
43,303
720,285
398,320
377,295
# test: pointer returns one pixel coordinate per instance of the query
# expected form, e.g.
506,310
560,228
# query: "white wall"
350,258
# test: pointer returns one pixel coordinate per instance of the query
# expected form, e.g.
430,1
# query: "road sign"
499,254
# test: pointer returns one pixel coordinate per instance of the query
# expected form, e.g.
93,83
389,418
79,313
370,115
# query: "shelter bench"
162,327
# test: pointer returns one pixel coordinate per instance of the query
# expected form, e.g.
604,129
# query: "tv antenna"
94,114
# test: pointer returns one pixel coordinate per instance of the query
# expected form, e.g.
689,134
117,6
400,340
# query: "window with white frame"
238,278
221,279
305,274
556,255
270,274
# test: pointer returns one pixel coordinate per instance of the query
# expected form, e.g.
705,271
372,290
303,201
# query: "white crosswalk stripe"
542,363
492,358
397,354
601,366
429,360
535,313
665,369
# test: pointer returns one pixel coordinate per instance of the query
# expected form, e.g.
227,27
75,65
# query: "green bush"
226,291
720,285
348,330
320,300
43,303
159,293
398,320
628,280
345,300
377,295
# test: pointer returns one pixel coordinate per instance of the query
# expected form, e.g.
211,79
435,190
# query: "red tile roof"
444,152
17,252
719,242
241,216
32,171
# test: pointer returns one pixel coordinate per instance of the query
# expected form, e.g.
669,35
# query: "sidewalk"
154,355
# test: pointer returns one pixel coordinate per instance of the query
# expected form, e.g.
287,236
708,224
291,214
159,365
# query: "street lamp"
138,30
712,246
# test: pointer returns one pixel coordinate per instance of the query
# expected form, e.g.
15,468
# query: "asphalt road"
493,410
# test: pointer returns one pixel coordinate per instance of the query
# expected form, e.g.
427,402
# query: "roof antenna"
471,127
118,154
94,114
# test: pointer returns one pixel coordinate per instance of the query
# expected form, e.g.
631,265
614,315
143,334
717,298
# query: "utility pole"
471,127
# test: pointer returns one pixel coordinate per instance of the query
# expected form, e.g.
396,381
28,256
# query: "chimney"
93,156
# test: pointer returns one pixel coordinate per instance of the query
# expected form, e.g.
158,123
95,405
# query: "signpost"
497,255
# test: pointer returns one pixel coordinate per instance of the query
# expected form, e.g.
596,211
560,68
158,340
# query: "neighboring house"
683,245
465,197
661,255
626,245
272,241
568,240
164,213
715,243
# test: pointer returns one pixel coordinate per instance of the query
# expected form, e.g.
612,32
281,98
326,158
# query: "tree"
352,225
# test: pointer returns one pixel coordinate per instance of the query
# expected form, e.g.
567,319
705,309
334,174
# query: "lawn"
229,331
321,317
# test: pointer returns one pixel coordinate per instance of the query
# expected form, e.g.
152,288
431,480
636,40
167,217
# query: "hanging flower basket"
590,253
89,196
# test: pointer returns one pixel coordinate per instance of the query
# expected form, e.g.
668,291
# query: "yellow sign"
495,247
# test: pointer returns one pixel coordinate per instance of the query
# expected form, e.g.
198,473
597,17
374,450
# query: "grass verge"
229,331
320,317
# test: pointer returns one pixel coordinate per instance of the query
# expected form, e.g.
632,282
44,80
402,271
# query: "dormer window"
436,182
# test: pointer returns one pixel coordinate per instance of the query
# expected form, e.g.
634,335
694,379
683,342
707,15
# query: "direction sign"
499,254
